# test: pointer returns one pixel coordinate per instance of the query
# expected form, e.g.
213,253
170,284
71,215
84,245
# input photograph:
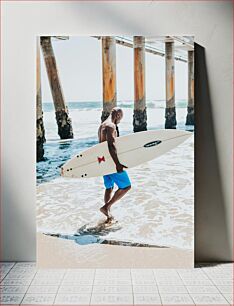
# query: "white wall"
211,24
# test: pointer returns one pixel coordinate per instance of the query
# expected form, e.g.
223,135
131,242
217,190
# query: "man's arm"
111,143
112,148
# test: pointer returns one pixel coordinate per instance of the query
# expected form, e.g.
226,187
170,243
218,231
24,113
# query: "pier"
190,115
139,113
61,110
39,113
108,75
170,111
172,48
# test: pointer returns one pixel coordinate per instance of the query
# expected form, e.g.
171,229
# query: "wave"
97,105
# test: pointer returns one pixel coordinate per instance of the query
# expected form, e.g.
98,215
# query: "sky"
79,63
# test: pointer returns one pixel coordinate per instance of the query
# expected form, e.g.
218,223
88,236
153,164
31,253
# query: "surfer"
108,131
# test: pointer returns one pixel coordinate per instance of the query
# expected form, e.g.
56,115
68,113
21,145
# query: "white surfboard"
132,150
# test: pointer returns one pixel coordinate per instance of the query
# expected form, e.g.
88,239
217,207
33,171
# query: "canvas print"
115,151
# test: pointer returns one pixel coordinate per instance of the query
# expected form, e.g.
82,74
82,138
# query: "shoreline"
53,252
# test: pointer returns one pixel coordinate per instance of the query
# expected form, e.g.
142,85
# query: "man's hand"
119,167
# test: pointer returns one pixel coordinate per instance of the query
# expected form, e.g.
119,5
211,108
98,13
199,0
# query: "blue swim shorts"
121,179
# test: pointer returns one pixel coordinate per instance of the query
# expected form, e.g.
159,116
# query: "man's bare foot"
109,219
104,209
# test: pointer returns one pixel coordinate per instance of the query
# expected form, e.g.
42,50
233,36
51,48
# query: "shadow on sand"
95,234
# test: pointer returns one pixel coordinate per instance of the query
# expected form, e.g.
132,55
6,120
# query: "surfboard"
132,150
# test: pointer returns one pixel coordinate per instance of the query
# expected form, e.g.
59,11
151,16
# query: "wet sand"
55,252
158,210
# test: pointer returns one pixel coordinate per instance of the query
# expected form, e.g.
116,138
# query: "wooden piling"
170,112
108,75
61,110
190,108
139,114
39,113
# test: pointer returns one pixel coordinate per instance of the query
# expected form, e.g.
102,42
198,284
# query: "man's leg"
107,195
123,182
117,196
104,209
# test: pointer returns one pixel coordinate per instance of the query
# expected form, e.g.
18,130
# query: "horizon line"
116,101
